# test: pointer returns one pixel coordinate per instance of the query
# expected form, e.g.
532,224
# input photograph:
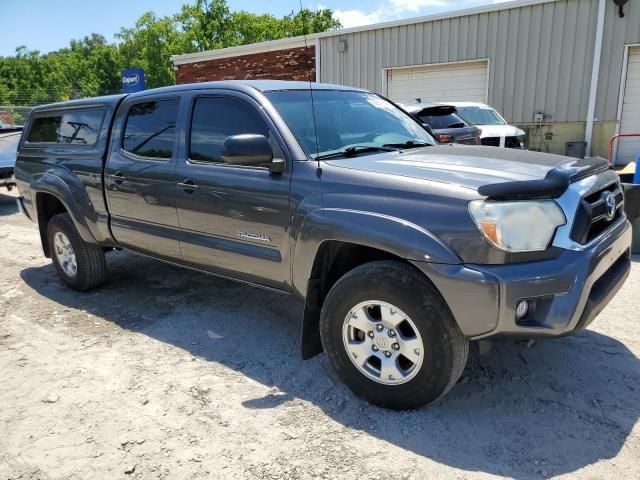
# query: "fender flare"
383,232
403,239
72,195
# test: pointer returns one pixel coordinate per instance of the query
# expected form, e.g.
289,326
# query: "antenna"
313,108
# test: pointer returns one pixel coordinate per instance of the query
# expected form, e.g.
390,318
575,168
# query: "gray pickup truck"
401,250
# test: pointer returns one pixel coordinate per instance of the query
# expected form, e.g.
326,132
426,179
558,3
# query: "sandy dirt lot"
166,373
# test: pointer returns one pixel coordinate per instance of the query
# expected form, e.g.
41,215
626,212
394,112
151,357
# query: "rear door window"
150,130
75,127
45,130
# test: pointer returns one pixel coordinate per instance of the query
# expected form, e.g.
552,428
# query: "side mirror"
250,150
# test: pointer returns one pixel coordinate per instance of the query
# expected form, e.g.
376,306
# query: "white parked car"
496,132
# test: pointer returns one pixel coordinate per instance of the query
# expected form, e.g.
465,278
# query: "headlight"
524,226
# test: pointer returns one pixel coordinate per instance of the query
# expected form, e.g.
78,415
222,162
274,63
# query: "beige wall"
552,137
602,133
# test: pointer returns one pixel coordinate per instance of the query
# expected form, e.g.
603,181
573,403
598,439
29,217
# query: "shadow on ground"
553,409
7,204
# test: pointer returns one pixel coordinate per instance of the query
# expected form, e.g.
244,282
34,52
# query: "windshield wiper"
353,150
407,144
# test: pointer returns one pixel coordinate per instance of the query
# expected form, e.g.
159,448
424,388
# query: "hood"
470,166
499,131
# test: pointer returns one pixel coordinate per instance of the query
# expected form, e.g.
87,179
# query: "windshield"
345,119
481,116
439,120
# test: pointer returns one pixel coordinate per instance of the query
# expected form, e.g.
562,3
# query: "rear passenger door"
234,219
140,176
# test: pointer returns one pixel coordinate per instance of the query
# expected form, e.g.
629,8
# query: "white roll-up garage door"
629,148
463,81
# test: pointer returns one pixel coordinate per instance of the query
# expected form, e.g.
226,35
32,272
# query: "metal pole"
595,70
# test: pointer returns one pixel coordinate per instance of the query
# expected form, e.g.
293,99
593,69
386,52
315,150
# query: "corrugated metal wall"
540,55
617,33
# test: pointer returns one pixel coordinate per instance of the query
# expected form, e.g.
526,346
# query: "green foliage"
92,66
248,28
149,45
205,24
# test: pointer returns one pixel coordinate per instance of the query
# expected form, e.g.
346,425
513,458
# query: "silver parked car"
9,139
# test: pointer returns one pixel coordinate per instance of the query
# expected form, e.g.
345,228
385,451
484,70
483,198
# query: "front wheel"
81,265
390,337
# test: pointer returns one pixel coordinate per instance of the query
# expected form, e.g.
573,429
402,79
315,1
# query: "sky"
47,25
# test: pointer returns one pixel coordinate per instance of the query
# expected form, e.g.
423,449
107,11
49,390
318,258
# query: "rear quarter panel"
72,173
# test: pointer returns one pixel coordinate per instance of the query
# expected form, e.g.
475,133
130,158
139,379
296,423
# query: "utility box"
576,149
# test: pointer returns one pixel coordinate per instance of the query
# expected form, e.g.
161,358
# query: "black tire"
90,259
445,349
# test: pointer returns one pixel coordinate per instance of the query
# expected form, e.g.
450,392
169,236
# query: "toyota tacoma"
401,250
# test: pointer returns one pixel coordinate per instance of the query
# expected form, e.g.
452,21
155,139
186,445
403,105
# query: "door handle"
188,186
117,178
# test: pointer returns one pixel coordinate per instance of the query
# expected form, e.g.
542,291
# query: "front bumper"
566,293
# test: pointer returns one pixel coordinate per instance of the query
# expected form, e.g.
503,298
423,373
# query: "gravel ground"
166,373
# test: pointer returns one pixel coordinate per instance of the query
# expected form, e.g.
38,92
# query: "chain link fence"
14,115
17,107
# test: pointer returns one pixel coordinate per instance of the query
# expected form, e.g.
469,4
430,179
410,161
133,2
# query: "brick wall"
289,64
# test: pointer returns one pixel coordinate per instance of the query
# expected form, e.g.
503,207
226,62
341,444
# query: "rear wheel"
81,265
390,336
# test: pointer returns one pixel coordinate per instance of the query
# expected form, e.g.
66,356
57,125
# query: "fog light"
522,309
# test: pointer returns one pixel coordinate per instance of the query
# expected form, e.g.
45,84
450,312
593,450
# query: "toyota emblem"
610,202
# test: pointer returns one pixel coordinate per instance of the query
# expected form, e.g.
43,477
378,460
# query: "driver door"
234,219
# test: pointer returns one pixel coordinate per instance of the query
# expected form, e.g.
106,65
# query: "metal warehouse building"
575,61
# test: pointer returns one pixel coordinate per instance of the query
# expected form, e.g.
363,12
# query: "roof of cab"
241,85
84,102
259,85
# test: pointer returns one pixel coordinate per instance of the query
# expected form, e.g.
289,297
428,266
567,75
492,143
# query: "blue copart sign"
133,80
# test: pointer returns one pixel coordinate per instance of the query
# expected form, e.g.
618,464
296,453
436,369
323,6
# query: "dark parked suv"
445,123
401,251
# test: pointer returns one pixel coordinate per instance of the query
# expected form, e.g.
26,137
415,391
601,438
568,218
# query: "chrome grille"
490,141
509,142
597,211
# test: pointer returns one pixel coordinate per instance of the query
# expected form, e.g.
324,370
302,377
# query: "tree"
149,45
249,28
307,21
29,78
92,66
89,65
206,24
